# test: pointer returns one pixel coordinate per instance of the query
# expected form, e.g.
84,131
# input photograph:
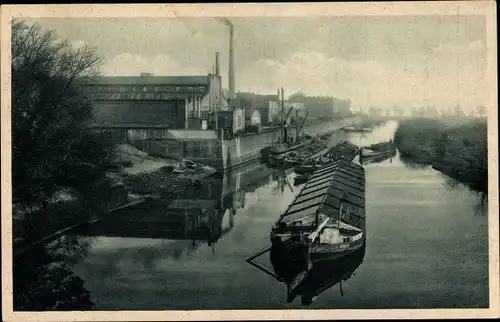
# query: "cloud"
448,74
77,44
451,74
127,64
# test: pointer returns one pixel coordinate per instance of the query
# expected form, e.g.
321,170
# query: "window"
238,122
204,115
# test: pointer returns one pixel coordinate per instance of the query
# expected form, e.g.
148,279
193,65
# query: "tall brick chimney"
217,66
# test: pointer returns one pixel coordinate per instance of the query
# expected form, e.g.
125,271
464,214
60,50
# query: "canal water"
427,244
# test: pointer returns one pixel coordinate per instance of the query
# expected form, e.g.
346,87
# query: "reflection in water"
409,163
423,243
203,212
322,276
481,206
44,280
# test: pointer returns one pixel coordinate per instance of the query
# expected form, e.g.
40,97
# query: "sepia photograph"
285,161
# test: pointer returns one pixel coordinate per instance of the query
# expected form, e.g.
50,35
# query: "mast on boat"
278,100
283,124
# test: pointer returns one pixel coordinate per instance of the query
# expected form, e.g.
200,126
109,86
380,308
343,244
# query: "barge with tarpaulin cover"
341,151
326,220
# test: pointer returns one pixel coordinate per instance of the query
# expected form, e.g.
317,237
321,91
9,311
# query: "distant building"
275,110
323,106
178,102
341,107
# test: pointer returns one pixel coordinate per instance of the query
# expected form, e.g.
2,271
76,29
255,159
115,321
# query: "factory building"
175,102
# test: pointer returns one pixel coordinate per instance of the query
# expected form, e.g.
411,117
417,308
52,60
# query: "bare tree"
52,146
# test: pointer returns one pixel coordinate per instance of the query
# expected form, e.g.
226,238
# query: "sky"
371,60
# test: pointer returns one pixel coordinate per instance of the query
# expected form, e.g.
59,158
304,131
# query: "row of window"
133,96
145,89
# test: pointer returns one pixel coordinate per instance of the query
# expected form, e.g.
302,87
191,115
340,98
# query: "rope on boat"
262,268
262,251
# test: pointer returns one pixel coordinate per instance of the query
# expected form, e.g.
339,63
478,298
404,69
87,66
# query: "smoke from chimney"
228,23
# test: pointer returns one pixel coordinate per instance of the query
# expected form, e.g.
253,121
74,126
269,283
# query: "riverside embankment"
136,178
459,150
210,147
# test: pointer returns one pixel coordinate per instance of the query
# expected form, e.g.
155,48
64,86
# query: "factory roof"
153,80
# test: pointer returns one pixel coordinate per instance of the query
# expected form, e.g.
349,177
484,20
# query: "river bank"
137,177
457,150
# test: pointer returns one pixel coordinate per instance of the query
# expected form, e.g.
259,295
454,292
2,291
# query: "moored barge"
326,220
377,151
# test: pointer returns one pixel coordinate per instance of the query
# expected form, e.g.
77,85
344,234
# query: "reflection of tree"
42,283
70,248
408,162
481,205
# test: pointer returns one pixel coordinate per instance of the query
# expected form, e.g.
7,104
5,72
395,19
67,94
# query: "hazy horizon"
372,60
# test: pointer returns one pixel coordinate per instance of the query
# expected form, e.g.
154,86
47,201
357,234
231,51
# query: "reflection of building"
203,212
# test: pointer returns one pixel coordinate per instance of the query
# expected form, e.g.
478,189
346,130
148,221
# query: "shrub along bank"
459,151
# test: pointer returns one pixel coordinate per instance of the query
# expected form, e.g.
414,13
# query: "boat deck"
323,192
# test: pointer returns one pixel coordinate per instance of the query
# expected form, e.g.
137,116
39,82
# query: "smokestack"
217,67
231,62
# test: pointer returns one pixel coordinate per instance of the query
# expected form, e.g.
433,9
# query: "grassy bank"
457,150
